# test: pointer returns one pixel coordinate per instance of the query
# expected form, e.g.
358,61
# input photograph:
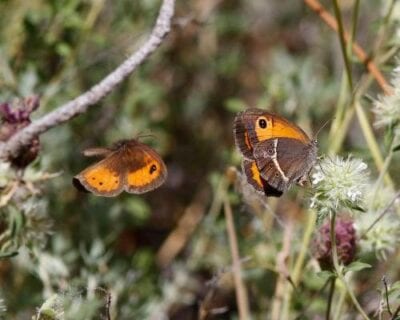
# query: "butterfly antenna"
323,126
319,164
145,135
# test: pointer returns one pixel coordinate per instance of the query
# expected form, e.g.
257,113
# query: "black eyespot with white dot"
153,168
262,123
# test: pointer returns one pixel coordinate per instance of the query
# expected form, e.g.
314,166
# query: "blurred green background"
220,57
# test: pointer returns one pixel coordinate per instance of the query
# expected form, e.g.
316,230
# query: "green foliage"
71,255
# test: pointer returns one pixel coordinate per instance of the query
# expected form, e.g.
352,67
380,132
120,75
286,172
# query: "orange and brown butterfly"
276,152
128,165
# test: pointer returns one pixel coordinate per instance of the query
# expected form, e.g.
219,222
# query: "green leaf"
357,266
396,148
235,105
395,286
325,274
138,209
358,208
5,255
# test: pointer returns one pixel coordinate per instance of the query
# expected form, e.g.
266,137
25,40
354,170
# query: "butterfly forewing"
145,169
242,139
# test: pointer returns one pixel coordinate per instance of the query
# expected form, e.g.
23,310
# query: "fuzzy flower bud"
339,184
386,108
345,243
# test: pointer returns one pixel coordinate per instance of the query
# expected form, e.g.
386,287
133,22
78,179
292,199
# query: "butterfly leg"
304,180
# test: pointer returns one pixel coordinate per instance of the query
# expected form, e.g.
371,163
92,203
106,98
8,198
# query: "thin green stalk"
354,19
341,133
382,33
340,303
330,298
346,60
335,258
353,298
339,269
299,263
385,167
371,141
340,109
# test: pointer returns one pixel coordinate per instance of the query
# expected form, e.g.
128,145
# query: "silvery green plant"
38,225
70,305
51,309
179,289
6,174
382,239
3,309
339,184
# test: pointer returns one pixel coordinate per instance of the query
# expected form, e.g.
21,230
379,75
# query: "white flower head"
382,238
339,184
387,108
317,177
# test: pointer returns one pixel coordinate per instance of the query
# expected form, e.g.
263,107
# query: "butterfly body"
277,153
128,165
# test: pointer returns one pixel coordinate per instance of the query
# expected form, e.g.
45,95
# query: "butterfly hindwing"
284,161
254,178
103,178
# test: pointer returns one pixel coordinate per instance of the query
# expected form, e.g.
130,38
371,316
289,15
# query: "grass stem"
241,293
346,59
330,298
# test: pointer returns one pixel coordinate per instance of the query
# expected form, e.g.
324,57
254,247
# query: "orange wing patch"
247,141
102,179
255,175
145,175
278,127
256,181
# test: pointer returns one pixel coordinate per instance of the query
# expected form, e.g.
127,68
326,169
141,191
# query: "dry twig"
240,289
80,104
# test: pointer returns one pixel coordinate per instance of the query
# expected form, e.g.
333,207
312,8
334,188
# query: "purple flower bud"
345,243
14,117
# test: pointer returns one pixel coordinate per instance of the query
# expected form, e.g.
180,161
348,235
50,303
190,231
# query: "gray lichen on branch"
80,104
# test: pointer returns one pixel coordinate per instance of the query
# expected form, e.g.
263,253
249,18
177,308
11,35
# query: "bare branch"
80,104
